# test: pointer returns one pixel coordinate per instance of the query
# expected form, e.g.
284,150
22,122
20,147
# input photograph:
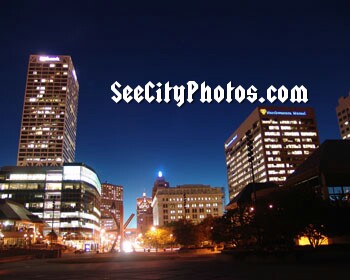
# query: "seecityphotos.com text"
164,93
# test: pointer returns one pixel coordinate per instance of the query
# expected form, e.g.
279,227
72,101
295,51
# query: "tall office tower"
112,209
190,202
144,213
269,145
343,114
159,183
49,119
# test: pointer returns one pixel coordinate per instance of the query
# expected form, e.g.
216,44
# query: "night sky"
261,44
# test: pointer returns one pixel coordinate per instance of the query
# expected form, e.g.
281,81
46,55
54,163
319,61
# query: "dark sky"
258,43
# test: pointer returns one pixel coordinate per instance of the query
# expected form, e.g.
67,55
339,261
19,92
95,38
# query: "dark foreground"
166,266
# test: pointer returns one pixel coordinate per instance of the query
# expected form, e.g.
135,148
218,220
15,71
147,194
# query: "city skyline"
127,144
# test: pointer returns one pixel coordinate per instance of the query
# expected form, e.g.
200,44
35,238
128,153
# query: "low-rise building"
190,202
66,197
18,227
326,171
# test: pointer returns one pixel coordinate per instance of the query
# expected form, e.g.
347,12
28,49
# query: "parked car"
79,251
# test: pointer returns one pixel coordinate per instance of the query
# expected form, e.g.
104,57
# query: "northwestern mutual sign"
265,112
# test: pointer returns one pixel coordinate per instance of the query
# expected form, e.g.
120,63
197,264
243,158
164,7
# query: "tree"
158,237
185,233
205,230
235,227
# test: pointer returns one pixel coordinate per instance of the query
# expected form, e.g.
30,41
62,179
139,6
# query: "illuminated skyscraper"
111,205
269,145
343,114
144,213
49,119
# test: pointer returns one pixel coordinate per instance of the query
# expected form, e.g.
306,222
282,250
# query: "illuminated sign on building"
47,58
265,112
231,141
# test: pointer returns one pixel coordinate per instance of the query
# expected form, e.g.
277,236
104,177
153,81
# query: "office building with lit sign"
269,145
190,202
343,115
49,118
66,197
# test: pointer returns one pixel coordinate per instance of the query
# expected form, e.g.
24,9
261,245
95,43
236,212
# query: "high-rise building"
269,145
66,197
190,202
111,206
49,118
144,213
343,114
159,183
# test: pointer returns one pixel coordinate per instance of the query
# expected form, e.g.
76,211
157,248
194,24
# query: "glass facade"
67,198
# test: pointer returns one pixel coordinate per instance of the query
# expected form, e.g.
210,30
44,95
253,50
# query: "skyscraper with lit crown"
49,118
159,183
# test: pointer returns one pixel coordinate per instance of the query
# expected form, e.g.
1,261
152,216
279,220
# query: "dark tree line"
274,221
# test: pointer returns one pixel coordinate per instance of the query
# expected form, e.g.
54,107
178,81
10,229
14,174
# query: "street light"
53,216
171,242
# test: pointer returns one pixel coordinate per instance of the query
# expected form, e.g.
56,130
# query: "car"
79,251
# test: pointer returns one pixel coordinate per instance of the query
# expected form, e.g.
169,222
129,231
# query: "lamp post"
53,216
171,242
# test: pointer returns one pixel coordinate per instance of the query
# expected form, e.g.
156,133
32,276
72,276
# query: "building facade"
269,145
343,115
49,118
66,197
112,208
144,213
190,202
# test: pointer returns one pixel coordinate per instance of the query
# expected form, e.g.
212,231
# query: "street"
163,266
